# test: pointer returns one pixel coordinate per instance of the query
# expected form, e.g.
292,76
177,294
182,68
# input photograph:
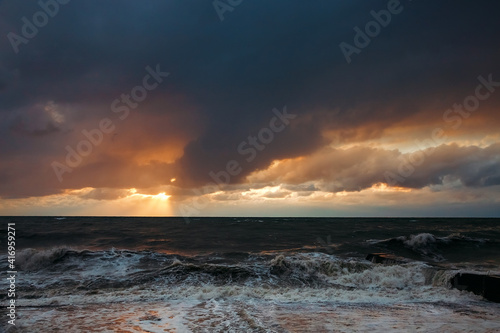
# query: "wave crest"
31,259
430,246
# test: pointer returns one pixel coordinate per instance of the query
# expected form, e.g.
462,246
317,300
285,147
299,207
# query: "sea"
237,274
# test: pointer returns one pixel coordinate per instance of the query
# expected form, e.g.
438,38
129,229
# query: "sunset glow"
188,115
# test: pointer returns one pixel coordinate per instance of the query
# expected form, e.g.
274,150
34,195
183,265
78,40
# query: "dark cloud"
359,168
104,194
47,129
226,77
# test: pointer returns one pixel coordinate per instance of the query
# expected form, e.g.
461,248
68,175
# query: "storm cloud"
226,77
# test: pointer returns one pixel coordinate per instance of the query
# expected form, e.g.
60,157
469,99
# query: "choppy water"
250,275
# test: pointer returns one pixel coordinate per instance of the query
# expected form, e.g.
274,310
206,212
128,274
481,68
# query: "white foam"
362,297
229,315
420,240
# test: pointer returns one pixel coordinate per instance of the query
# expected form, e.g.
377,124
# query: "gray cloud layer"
225,79
358,168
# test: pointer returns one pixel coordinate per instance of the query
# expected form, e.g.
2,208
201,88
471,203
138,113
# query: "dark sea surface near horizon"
453,240
240,270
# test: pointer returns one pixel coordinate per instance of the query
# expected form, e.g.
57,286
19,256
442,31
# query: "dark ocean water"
249,274
448,240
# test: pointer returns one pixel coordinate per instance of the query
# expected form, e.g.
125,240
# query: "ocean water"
101,274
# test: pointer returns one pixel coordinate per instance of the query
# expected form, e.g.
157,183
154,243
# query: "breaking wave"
58,268
429,246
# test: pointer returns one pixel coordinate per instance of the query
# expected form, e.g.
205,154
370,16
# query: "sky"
250,108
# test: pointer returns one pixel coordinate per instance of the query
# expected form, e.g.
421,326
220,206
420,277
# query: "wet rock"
385,258
487,286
